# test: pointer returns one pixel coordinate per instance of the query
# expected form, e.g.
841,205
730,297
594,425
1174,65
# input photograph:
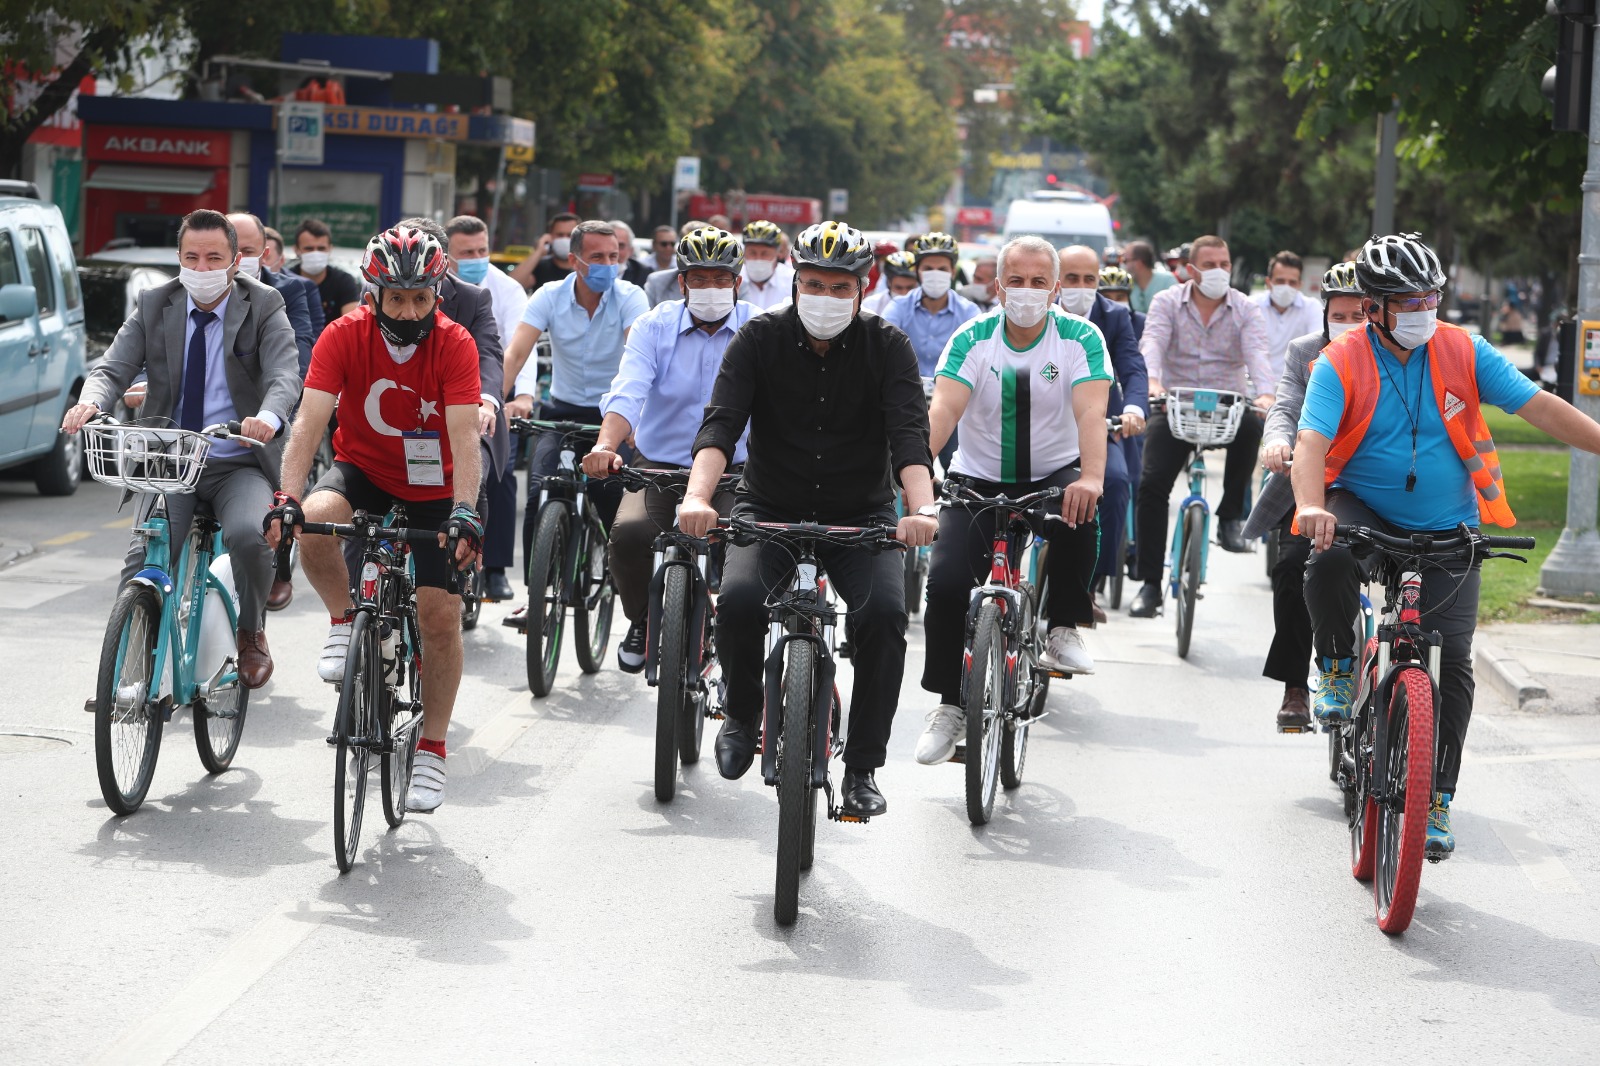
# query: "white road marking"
215,988
21,595
1576,754
1547,872
494,738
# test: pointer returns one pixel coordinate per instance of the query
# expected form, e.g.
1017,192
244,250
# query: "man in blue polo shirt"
931,313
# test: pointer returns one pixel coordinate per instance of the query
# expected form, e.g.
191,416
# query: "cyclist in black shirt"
836,412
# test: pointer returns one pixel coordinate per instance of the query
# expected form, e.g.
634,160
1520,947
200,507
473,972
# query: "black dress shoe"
1146,602
496,586
861,796
1230,534
736,747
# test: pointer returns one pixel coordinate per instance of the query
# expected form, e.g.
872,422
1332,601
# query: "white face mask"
561,248
935,283
204,286
1078,301
710,305
1339,329
1214,283
1282,295
760,271
251,265
313,262
1413,329
1027,307
825,317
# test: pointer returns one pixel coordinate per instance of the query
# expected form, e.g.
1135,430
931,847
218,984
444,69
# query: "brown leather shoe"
1294,716
280,596
255,661
1099,612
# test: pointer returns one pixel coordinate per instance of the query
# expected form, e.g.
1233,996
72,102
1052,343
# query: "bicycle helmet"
712,249
1115,279
1398,263
834,246
1341,280
404,258
762,232
934,243
900,265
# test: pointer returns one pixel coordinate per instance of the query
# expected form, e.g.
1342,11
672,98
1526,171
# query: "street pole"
494,210
277,185
1573,567
1387,172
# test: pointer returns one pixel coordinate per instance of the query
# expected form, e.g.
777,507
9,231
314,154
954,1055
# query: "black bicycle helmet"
900,265
762,232
1341,280
934,243
1398,263
834,246
709,248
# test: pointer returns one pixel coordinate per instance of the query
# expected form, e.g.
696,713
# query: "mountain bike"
567,566
1386,749
160,651
801,716
1004,687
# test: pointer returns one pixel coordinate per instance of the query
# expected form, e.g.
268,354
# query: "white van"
1062,218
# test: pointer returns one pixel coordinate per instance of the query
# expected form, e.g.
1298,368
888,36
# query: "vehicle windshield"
1063,240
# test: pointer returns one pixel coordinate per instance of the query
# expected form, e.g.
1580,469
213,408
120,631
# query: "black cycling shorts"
428,559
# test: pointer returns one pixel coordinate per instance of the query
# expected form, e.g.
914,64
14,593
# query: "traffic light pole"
1573,567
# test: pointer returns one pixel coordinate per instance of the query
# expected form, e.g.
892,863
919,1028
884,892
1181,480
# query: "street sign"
301,125
975,216
686,175
838,201
596,182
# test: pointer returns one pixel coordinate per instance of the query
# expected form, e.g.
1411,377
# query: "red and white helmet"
405,258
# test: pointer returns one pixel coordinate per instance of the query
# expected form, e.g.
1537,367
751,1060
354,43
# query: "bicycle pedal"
333,740
1296,729
839,814
90,705
959,755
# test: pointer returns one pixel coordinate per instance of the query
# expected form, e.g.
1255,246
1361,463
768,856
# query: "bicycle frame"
808,613
1402,644
674,549
384,574
569,474
1197,495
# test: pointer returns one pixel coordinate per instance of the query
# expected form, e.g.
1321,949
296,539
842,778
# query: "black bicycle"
1386,760
567,565
801,717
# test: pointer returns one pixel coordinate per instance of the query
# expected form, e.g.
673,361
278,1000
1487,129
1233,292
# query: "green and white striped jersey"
1019,424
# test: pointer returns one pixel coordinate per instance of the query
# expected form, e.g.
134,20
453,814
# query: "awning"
184,181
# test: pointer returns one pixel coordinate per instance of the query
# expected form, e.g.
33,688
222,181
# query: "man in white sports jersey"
1028,384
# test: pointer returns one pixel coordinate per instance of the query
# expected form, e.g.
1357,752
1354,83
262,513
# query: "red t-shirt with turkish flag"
383,402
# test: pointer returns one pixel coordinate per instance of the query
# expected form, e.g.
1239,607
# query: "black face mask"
401,332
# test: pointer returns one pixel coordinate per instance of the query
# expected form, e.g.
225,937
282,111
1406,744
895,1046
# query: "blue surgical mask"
599,276
473,270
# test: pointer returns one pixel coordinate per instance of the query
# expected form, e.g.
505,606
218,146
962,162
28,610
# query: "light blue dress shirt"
585,351
929,332
219,399
664,382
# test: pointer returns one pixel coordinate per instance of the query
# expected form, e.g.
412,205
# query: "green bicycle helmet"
709,248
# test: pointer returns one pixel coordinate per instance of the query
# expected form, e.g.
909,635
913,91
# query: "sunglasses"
1414,304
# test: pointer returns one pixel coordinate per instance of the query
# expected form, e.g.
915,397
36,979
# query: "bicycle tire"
794,776
671,680
592,625
399,757
127,741
1403,832
1119,570
217,729
1014,744
913,570
351,721
546,585
984,699
1189,578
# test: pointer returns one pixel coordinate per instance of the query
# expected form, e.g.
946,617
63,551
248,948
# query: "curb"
1506,675
12,550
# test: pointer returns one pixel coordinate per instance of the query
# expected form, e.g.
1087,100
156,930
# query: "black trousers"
873,587
1165,458
1289,658
607,495
1450,605
961,560
500,535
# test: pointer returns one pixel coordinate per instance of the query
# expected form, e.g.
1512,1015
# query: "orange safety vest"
1452,365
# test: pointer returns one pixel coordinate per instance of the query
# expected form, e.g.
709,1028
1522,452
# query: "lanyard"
1413,418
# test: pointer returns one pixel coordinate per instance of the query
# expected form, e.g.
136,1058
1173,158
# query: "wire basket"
1205,416
146,459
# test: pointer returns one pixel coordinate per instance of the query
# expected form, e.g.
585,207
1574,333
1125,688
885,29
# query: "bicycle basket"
1204,416
146,459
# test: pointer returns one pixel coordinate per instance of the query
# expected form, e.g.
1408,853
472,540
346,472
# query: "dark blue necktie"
194,373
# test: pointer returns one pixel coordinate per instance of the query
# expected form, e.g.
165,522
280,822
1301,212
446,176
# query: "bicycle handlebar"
537,425
956,492
1463,538
664,479
745,531
233,431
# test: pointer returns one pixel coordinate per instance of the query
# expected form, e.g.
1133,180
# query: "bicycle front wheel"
672,679
794,776
591,615
352,727
985,701
1194,543
127,724
1403,818
218,725
547,583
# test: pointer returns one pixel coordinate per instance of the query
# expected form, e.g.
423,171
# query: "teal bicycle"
170,639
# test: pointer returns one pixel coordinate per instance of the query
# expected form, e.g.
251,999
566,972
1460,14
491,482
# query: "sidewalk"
1549,667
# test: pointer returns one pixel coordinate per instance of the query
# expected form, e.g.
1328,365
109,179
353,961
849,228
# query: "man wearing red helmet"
408,433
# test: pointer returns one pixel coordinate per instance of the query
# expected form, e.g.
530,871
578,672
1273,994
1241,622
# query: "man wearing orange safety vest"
1392,436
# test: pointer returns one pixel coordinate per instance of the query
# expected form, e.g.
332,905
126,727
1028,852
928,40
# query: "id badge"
424,459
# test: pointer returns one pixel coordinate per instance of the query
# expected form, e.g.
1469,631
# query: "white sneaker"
1065,651
334,651
946,723
427,783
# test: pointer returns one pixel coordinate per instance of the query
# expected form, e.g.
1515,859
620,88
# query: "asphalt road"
1170,885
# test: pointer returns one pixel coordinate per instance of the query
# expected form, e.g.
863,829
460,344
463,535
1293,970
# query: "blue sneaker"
1441,843
1336,690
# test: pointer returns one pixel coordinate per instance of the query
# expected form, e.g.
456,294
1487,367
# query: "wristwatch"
928,510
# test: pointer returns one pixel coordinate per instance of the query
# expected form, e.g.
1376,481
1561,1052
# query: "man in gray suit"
216,346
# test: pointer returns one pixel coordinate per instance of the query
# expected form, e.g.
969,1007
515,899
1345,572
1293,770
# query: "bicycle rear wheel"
914,574
218,725
672,679
400,751
127,726
795,793
1194,518
1403,819
1014,744
591,615
547,581
985,700
353,724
